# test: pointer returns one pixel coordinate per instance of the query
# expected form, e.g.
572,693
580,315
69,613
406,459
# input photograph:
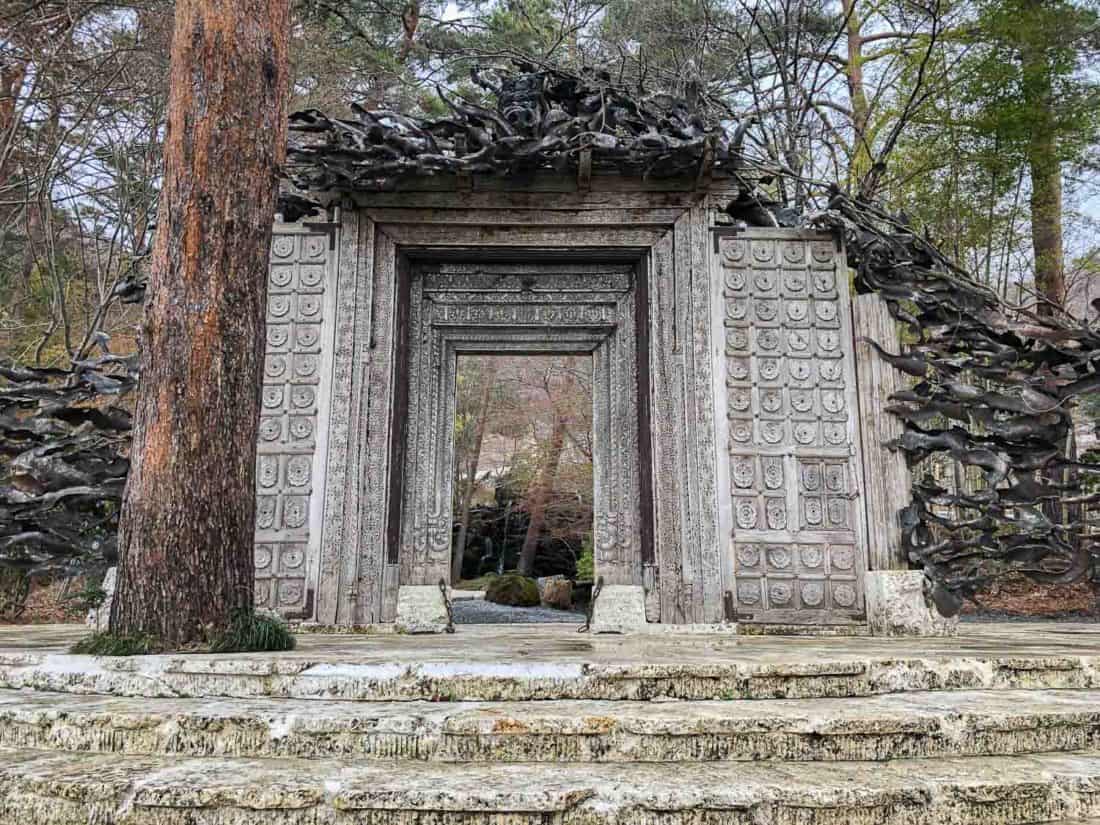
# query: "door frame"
573,305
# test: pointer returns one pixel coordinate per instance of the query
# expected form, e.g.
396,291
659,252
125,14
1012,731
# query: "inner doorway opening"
522,540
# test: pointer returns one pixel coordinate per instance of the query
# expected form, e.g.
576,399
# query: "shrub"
513,589
586,563
248,632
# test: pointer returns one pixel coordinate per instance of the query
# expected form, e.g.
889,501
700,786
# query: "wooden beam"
584,170
706,164
886,479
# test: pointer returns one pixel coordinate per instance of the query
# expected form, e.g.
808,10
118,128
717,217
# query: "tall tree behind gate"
187,516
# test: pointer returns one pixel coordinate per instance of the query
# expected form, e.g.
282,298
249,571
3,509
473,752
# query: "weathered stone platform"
998,726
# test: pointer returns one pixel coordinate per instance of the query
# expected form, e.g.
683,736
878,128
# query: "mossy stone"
513,589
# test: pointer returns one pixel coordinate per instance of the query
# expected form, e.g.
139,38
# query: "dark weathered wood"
887,486
188,511
543,119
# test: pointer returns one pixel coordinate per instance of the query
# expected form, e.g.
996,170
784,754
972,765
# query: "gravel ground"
479,611
993,616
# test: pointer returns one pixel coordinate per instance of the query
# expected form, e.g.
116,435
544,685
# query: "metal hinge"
728,606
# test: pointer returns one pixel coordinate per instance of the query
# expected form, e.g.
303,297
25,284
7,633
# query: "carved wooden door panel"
290,446
797,547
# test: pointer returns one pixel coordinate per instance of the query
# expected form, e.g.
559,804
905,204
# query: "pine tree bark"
1046,211
187,516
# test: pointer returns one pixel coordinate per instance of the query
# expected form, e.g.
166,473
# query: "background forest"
988,111
979,120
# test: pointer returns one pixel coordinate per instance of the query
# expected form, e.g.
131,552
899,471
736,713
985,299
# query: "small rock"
557,593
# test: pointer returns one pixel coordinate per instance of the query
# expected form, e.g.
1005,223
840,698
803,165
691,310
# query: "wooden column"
886,480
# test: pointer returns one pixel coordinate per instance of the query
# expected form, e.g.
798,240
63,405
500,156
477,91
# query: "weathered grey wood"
797,551
293,435
481,306
665,237
545,237
667,482
887,481
527,216
709,605
336,415
376,420
584,171
549,182
521,197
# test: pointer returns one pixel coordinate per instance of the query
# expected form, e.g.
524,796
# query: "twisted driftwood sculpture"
543,120
63,463
992,388
992,384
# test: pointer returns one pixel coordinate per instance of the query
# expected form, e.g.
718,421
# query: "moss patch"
249,631
480,583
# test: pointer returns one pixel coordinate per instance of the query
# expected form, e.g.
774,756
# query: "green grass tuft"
110,644
249,631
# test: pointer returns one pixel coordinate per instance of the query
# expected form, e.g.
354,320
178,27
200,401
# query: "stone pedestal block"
896,606
99,617
620,608
420,609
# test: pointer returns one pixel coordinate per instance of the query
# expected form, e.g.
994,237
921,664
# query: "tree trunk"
12,74
187,516
860,163
1045,170
541,492
458,553
1046,213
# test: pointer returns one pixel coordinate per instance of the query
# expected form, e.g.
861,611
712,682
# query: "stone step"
899,726
707,671
51,788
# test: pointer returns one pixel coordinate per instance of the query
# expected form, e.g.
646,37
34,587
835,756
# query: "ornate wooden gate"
797,551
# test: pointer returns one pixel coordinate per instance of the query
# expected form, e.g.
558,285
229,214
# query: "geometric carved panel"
797,545
287,441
